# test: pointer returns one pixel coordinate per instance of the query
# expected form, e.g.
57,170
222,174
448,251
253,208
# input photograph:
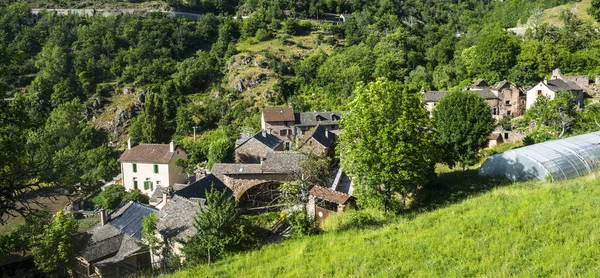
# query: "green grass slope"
580,9
524,229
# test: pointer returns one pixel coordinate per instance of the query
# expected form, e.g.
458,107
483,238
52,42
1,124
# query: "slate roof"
329,194
434,96
558,85
157,195
265,138
315,118
148,153
480,83
486,94
283,162
219,169
128,218
243,138
278,115
124,225
128,246
176,218
501,85
198,189
495,136
319,134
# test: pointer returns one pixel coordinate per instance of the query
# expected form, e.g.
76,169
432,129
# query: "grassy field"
525,229
552,15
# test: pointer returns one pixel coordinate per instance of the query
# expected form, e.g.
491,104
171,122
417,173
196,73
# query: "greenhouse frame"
553,160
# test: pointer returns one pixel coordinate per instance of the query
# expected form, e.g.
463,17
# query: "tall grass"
525,229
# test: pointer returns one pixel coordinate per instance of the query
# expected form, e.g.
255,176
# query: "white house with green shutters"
149,166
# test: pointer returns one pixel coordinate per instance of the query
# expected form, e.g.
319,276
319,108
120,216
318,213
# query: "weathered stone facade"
240,183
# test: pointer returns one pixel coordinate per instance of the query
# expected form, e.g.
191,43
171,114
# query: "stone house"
505,99
114,247
431,99
550,88
583,81
176,217
255,148
148,166
323,201
279,122
494,139
289,126
318,141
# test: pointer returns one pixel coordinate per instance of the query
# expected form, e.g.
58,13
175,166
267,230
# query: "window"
134,167
148,184
508,102
283,132
505,135
539,92
494,111
240,169
135,184
508,113
287,145
155,169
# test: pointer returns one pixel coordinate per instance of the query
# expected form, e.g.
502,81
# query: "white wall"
532,94
145,171
176,175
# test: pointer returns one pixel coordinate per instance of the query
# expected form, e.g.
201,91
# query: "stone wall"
240,183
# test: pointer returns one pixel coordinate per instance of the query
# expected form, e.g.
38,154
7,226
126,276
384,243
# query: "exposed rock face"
249,82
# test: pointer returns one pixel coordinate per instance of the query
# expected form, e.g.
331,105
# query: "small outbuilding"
553,160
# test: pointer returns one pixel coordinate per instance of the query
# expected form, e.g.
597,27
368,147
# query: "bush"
302,223
331,41
263,35
354,219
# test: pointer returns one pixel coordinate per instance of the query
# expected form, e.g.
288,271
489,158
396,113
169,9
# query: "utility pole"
194,127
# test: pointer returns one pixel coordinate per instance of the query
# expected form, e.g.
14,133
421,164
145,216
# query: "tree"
54,250
594,9
462,124
112,196
495,56
557,114
220,230
387,144
219,151
149,223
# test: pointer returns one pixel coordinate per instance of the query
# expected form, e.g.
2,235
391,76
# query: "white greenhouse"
553,160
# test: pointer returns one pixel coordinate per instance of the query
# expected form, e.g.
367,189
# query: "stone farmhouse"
550,88
319,141
323,201
251,149
583,81
505,99
288,125
149,166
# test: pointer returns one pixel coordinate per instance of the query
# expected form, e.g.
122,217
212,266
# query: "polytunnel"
558,159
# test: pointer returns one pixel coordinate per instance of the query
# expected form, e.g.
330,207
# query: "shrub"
354,219
263,35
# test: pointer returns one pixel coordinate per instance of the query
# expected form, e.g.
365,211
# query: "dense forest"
59,70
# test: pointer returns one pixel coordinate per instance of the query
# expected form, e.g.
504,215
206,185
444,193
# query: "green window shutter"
134,167
151,185
145,185
155,169
135,184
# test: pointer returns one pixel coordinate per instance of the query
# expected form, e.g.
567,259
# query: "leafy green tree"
220,230
557,114
55,249
113,195
149,223
219,151
387,144
462,123
495,56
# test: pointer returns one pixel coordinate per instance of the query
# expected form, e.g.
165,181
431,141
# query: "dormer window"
240,169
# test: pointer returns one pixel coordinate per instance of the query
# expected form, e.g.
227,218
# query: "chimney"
129,144
326,132
103,217
264,133
166,194
270,131
545,82
172,146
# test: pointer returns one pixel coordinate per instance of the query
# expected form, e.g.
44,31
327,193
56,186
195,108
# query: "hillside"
531,228
552,15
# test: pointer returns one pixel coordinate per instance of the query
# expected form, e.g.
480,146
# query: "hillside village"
214,138
274,155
